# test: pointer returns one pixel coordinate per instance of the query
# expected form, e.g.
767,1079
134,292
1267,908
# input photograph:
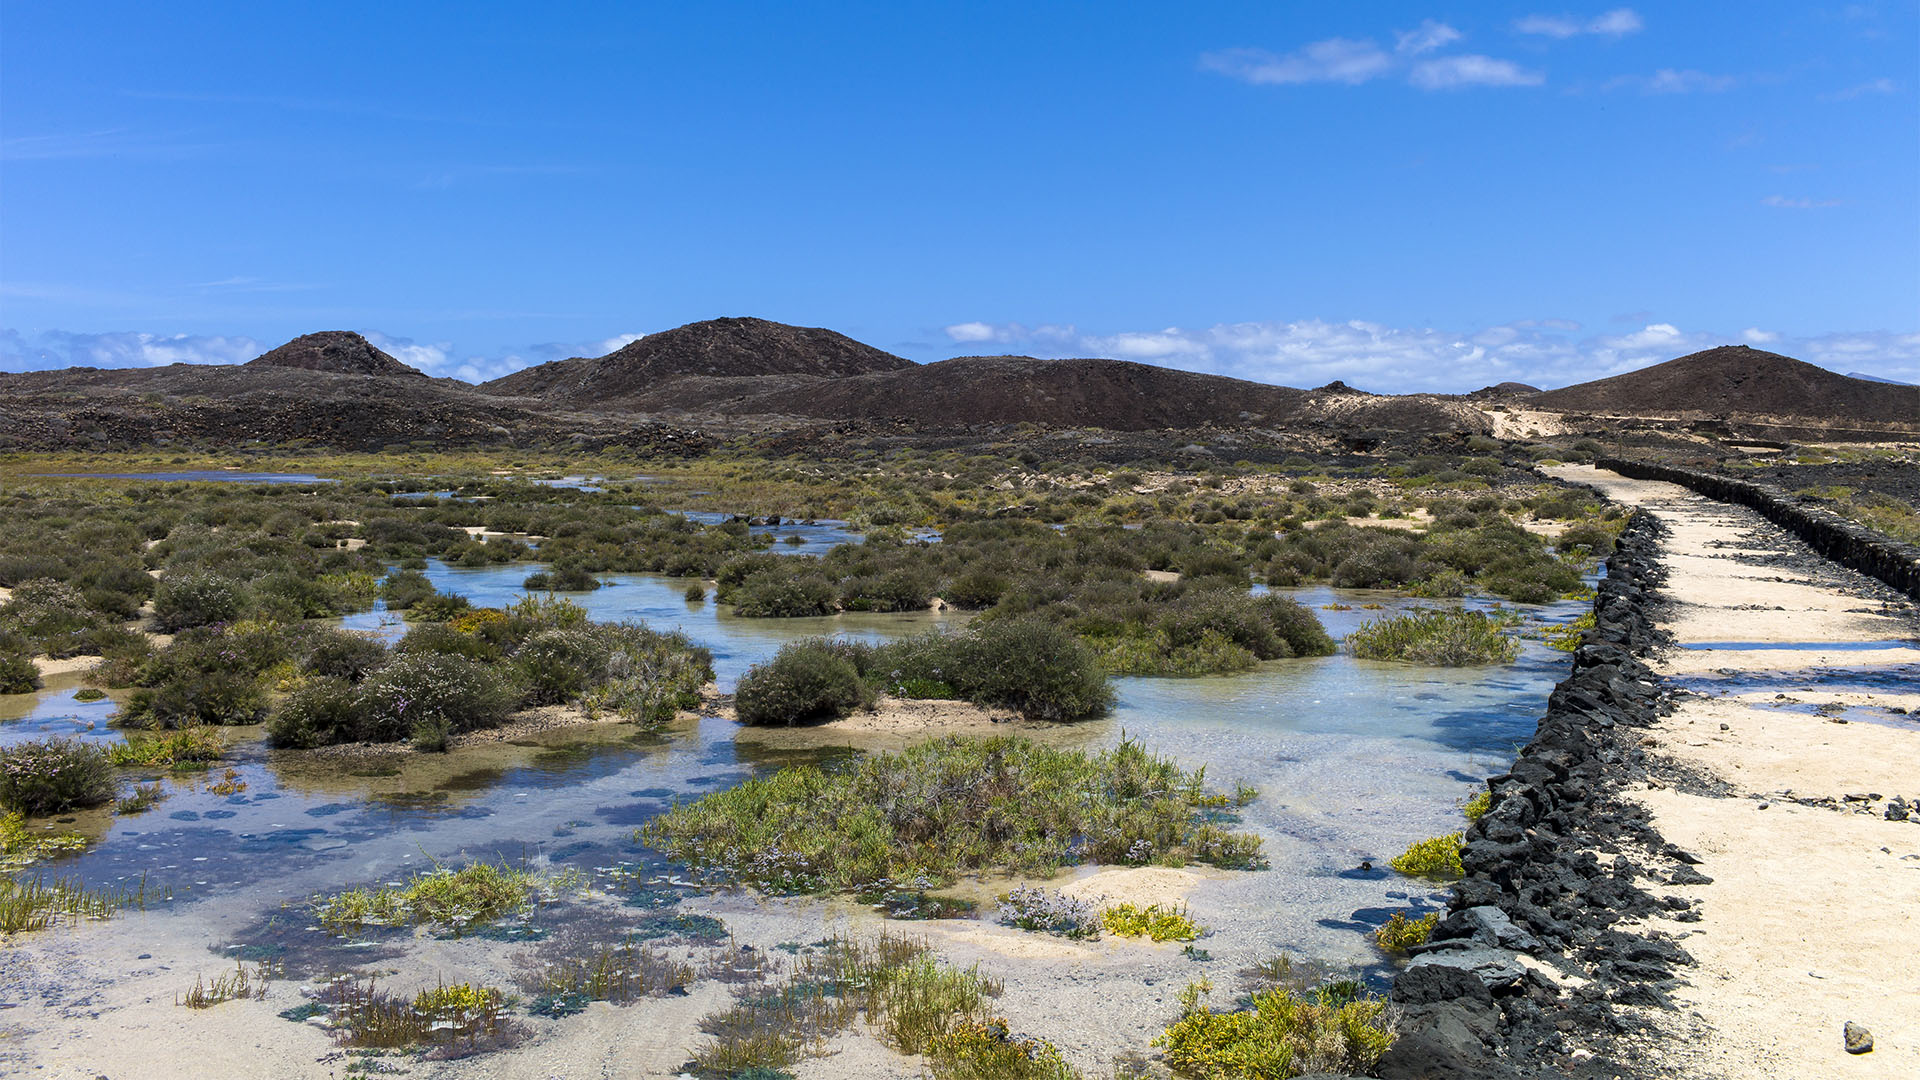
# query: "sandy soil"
1810,921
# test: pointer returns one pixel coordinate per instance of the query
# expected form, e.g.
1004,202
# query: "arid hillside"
1735,380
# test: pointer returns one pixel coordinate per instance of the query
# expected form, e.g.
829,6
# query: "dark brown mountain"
342,352
1115,394
732,348
1737,380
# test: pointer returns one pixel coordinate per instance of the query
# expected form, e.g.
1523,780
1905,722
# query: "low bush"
458,900
1029,907
52,776
1159,922
18,673
54,618
1439,637
209,697
564,577
428,698
196,598
950,806
1436,857
1283,1034
988,1050
1401,933
807,680
342,654
320,712
1037,668
187,747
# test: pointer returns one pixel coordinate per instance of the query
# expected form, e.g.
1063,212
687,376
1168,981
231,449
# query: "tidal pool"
1354,759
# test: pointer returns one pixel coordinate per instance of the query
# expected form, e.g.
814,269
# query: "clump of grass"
895,985
1438,637
228,784
37,903
1568,638
1284,1033
89,693
1476,807
51,776
20,848
233,986
140,800
950,806
988,1050
1050,912
618,973
457,1020
188,747
475,894
1159,922
1436,857
1401,933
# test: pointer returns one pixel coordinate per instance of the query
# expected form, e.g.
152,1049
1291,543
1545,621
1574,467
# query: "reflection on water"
1353,759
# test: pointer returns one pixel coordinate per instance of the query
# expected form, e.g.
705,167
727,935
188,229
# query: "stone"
1495,967
1435,982
1487,925
1858,1039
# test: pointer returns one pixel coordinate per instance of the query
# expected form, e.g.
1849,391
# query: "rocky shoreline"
1549,930
1845,542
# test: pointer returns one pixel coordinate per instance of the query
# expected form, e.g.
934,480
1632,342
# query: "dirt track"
1810,920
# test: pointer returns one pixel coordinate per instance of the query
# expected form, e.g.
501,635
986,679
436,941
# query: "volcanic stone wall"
1843,541
1484,998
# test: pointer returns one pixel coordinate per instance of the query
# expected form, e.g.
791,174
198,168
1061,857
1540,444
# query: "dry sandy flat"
1811,920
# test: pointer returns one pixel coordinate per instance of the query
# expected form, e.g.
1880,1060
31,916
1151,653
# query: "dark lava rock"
1858,1039
340,351
1495,968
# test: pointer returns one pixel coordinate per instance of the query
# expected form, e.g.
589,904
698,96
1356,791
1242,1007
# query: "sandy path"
1811,920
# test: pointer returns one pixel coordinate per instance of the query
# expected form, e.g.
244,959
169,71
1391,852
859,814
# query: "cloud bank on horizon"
1547,353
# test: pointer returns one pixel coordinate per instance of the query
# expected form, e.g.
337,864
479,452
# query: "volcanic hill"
732,348
342,352
1735,380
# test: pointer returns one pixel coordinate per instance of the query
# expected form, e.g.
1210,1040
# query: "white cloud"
1340,60
1672,81
1542,352
1781,202
1616,23
1454,72
59,349
1872,86
970,331
1425,38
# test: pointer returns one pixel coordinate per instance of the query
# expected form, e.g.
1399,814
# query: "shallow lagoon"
1353,758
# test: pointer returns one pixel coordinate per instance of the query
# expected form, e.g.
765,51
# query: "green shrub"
1439,637
1401,933
1156,921
950,806
195,598
197,697
557,665
1436,857
51,776
320,712
1477,806
807,680
1283,1034
770,595
51,617
564,577
18,673
429,697
1037,668
340,654
186,747
404,588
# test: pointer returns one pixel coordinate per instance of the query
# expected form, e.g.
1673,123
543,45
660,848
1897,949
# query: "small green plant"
1477,806
1568,638
618,973
1401,933
988,1050
21,848
186,748
1282,1034
464,1017
1159,922
51,776
1437,857
1050,912
1438,637
475,894
233,986
142,799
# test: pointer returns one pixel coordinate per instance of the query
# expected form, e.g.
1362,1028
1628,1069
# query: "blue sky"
1404,196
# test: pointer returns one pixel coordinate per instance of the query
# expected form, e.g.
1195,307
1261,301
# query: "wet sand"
1810,921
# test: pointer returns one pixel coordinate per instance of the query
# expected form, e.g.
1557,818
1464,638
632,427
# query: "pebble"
1858,1039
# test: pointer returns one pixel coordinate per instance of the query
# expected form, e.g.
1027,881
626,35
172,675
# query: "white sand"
1811,919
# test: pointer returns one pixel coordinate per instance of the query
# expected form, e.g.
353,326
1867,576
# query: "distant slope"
1875,378
1735,379
342,352
733,348
1114,394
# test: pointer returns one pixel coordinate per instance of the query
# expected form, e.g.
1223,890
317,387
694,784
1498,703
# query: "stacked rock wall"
1839,539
